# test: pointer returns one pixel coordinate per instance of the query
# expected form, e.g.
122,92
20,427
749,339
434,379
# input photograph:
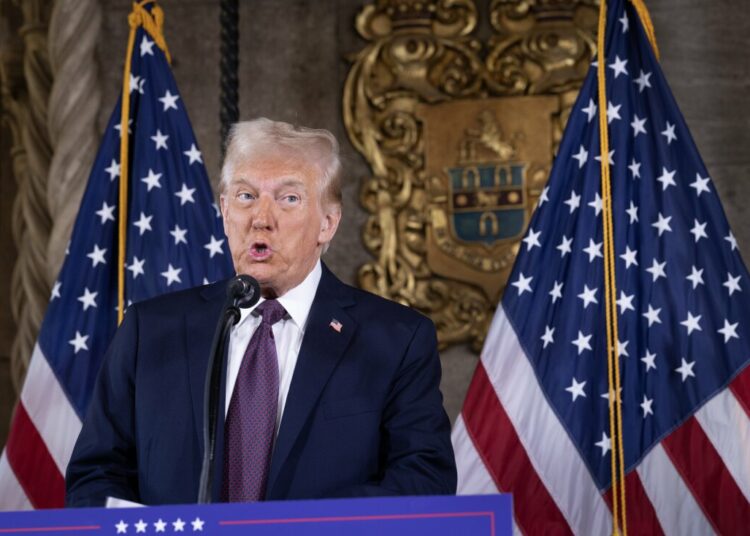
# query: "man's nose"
263,214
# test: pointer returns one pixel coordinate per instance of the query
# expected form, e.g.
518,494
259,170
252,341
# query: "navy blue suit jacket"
364,413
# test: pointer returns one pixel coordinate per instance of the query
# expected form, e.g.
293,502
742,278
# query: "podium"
399,516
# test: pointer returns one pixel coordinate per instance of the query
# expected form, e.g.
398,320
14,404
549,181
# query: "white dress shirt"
287,332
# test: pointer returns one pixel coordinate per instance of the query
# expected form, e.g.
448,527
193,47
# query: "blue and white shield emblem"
488,202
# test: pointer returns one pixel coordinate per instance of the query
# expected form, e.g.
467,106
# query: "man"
329,391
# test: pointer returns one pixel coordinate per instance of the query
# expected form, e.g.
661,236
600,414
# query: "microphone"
244,289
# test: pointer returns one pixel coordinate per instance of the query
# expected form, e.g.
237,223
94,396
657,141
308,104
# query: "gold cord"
153,23
648,26
619,524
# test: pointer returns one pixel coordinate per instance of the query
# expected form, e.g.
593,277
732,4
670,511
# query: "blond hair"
318,147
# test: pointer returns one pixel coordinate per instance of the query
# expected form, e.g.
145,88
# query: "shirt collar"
296,301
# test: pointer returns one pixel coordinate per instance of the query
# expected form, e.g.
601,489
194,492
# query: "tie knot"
271,311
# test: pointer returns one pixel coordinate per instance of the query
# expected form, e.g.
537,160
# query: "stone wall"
7,260
293,64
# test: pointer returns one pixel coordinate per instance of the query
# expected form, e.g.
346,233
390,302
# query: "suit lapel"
323,346
199,331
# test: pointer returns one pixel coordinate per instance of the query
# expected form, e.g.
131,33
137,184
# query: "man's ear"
330,223
223,205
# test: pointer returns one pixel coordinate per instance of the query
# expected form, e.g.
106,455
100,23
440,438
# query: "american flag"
535,422
175,240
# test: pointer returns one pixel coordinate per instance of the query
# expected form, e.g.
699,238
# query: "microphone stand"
242,291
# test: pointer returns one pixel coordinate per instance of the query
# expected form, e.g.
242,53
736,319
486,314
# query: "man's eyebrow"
240,182
292,182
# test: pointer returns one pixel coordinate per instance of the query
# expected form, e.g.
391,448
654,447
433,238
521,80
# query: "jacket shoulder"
181,300
363,304
388,308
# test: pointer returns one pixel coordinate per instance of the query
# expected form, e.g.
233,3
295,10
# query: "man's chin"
262,272
258,270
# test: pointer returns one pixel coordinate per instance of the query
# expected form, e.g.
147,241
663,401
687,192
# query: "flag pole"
619,524
152,22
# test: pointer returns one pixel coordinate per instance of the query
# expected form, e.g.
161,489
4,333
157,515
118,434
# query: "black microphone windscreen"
244,289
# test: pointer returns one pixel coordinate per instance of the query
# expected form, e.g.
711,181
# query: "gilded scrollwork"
529,57
445,18
422,56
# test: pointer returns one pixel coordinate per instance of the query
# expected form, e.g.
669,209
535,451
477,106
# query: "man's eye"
245,196
291,198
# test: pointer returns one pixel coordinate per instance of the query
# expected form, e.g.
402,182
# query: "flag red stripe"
708,479
505,458
638,508
740,387
32,463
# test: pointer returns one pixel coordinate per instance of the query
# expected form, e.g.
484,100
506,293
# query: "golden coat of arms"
460,135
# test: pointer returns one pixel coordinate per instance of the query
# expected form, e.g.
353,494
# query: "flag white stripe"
473,476
728,428
547,445
12,496
50,410
675,506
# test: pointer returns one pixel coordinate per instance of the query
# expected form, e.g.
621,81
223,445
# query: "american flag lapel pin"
335,325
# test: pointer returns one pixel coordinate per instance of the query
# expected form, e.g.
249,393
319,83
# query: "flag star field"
175,238
684,313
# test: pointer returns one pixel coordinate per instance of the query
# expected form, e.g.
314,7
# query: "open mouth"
260,251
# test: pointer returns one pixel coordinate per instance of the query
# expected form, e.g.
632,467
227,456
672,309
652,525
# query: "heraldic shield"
487,201
485,179
459,124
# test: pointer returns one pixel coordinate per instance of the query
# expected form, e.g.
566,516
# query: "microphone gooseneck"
242,291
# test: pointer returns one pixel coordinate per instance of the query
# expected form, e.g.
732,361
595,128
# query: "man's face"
275,221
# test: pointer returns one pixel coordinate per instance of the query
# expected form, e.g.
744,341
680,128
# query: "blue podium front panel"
435,516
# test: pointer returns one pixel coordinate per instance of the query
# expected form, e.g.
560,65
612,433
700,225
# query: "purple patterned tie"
251,419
